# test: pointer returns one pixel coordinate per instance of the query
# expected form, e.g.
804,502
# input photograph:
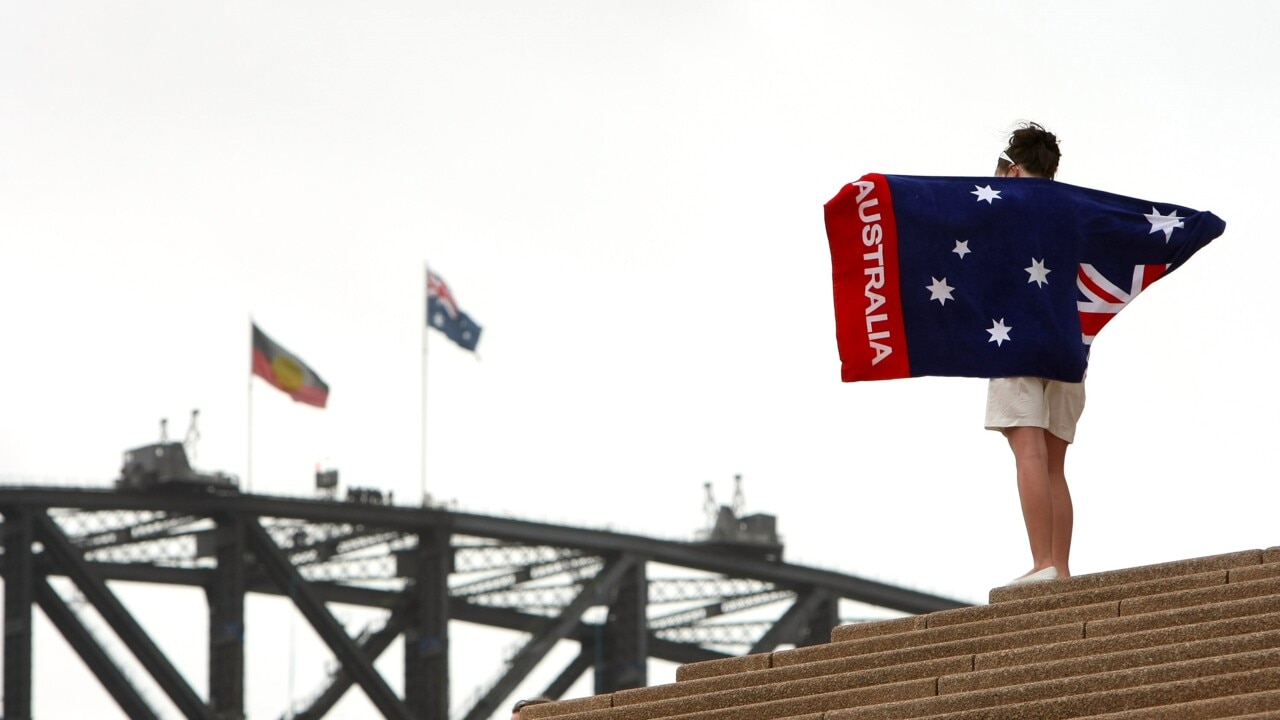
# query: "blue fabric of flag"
444,315
991,277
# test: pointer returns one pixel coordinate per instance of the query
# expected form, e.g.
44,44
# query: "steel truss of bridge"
422,567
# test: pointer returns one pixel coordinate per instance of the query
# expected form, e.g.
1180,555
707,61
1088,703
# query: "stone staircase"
1183,640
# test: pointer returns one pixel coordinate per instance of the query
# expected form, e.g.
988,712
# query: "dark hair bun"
1035,149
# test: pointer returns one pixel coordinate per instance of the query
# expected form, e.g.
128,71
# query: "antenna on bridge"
164,430
727,526
193,435
712,509
709,506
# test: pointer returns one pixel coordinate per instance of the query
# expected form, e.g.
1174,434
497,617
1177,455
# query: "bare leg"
1060,496
1031,454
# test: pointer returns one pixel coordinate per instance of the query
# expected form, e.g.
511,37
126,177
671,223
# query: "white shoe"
1049,573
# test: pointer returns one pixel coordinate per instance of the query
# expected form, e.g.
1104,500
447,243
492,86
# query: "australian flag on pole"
991,277
443,314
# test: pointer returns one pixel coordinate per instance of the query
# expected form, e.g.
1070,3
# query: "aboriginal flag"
284,370
991,277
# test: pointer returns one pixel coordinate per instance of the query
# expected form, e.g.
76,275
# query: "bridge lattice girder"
424,567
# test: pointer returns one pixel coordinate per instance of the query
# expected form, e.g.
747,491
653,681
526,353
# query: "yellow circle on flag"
288,372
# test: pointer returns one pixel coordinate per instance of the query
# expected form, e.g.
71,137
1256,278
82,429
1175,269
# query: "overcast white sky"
628,197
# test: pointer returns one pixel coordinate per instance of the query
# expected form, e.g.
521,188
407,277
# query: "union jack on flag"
1102,299
973,277
443,314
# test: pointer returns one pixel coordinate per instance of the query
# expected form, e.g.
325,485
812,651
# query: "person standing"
1038,416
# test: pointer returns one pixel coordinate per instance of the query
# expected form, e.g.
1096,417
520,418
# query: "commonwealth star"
986,193
1038,272
940,291
1165,223
999,332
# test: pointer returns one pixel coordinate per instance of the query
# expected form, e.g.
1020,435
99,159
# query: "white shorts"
1035,402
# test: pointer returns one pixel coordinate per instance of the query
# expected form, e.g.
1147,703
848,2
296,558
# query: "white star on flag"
999,332
940,291
1038,272
1166,223
962,248
986,193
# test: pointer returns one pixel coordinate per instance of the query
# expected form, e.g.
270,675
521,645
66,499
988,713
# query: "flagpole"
426,320
248,473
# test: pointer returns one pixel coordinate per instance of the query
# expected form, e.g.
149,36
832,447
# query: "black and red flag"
281,368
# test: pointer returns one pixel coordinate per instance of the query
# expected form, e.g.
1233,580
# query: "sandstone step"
973,628
1071,686
1087,647
1190,639
949,633
849,674
1256,572
1099,620
971,645
562,708
626,705
1133,598
1145,596
1110,662
1183,616
1096,701
1126,576
730,692
857,631
1087,596
1256,706
1163,697
774,709
1237,590
872,652
724,666
957,654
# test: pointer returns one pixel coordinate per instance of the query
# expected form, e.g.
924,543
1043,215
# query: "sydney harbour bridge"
420,568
